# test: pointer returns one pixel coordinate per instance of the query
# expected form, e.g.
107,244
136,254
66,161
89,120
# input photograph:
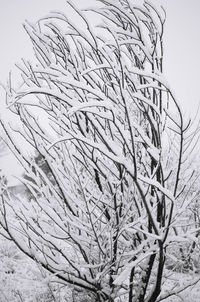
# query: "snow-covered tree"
110,132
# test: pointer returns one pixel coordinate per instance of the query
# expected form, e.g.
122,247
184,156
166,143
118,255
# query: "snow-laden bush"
101,115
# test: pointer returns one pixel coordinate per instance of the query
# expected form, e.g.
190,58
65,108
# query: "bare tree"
98,110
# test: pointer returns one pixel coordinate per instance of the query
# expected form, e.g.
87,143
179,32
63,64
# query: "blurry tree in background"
109,131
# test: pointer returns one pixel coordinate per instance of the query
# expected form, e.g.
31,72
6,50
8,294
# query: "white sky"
181,42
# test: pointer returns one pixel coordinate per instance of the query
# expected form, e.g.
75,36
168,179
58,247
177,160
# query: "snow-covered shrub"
99,112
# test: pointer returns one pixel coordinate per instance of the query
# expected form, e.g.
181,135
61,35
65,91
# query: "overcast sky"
182,40
181,47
